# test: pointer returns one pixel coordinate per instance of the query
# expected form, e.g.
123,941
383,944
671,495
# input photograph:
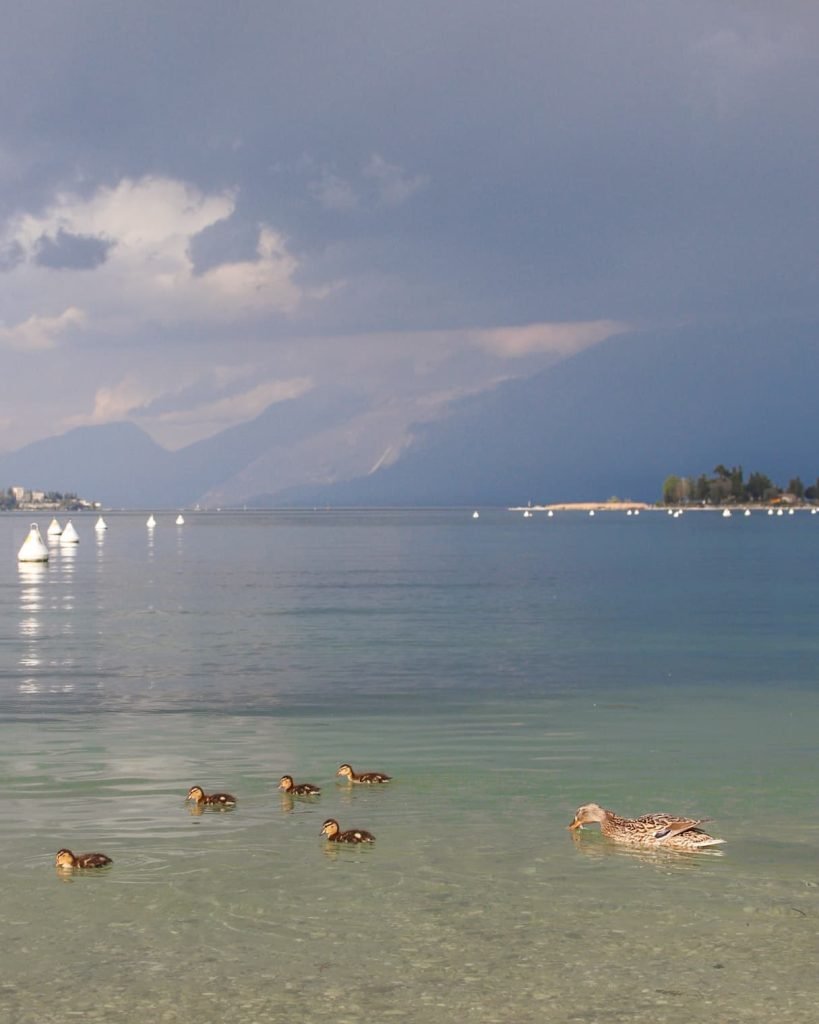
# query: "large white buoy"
33,548
54,528
100,526
151,523
180,520
69,534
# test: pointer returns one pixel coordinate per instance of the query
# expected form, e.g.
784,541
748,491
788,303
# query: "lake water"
503,671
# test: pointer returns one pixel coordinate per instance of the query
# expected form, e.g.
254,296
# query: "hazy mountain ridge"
614,419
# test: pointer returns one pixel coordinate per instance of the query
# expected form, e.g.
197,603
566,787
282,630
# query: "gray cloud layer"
263,195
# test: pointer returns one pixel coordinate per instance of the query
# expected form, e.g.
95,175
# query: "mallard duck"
301,789
203,799
367,778
668,831
67,861
331,829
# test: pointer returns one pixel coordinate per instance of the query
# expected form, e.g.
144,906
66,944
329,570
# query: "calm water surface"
504,671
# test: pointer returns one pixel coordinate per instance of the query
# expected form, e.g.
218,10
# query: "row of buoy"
34,548
151,522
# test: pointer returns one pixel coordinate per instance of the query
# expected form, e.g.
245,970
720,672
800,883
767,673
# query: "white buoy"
151,523
54,528
726,513
636,511
629,512
476,514
100,525
813,511
747,512
33,548
180,520
550,513
69,534
527,514
591,511
791,511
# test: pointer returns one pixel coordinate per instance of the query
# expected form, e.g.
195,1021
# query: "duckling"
301,789
668,831
203,799
368,778
331,829
66,860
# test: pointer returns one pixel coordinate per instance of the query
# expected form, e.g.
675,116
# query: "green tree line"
728,486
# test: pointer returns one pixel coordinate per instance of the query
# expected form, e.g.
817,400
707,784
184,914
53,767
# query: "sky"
207,207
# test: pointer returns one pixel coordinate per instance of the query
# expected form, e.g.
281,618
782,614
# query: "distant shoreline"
586,506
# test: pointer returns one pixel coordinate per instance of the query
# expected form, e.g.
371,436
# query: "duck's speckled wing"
666,825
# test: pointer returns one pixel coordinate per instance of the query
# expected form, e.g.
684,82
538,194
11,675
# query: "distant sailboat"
33,548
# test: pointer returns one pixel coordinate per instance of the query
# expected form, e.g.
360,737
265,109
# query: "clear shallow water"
504,671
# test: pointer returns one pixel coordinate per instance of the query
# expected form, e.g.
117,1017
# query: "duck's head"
585,814
345,770
286,783
65,859
329,828
196,793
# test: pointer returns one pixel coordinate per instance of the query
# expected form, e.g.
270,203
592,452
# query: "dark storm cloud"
65,251
431,166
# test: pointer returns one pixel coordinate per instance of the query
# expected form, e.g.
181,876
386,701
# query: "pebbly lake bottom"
474,903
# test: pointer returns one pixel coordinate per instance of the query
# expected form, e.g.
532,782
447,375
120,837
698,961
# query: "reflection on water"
32,577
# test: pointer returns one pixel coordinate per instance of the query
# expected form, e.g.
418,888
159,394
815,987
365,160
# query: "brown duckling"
203,799
331,829
660,830
66,860
298,789
367,778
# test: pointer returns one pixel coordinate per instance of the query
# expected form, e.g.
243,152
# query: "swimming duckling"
367,778
203,799
331,829
66,860
301,789
668,831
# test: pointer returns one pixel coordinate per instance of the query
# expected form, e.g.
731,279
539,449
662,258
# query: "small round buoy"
33,548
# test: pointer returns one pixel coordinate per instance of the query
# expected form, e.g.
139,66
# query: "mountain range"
615,419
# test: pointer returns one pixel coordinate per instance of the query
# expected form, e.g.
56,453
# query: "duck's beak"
575,825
